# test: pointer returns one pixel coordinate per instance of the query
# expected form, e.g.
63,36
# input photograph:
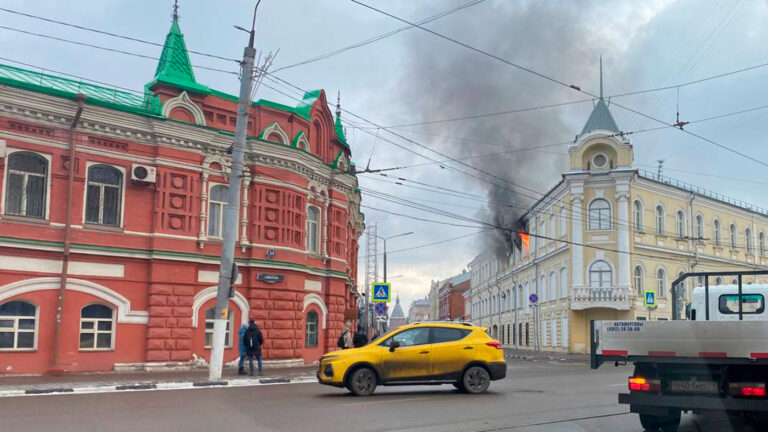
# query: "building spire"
338,104
601,77
175,14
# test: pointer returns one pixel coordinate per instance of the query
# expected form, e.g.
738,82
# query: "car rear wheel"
476,380
362,382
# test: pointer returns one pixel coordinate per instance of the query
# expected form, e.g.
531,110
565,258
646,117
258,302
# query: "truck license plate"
693,387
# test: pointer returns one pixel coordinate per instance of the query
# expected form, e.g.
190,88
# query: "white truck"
715,358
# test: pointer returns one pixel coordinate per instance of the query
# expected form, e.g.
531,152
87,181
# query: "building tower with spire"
397,318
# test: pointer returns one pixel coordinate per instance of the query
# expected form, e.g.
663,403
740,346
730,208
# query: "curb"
131,387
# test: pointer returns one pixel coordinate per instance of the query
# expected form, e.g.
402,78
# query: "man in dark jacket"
360,338
253,341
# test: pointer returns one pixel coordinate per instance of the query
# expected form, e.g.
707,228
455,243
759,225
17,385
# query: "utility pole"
227,276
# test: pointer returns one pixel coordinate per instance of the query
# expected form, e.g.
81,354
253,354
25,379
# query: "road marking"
377,402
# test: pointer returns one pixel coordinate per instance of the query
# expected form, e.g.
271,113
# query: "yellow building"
601,237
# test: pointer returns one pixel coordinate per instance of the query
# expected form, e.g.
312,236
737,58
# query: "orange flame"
526,241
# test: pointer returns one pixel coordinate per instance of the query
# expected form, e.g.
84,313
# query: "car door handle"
424,352
468,347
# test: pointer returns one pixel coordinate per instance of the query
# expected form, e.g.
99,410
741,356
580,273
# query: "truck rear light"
496,344
644,384
748,389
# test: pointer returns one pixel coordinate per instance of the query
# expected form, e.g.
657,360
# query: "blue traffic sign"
650,298
533,298
382,292
381,308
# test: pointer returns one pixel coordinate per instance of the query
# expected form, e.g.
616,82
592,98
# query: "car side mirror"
393,346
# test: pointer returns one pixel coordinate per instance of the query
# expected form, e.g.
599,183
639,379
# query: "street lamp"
385,248
367,289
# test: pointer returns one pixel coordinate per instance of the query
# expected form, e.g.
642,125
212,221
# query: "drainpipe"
55,366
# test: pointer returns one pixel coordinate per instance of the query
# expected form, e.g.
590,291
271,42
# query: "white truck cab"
724,303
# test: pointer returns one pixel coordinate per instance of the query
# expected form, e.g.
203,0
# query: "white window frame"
543,288
761,240
601,273
95,330
638,279
4,191
748,235
228,333
552,226
661,283
732,231
680,223
637,215
564,282
15,329
121,222
717,232
222,205
563,222
699,227
316,249
601,223
553,288
660,219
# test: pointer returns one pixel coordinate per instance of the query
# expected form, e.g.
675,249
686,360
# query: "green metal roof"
144,104
174,67
600,119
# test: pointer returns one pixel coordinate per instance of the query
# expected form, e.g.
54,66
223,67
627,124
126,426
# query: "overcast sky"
414,76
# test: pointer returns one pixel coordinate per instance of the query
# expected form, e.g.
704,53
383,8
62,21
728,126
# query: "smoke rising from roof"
444,80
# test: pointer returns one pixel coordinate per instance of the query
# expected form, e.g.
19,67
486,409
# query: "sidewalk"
120,381
544,355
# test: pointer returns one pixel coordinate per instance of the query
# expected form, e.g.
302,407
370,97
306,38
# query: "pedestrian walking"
360,339
243,351
253,342
345,339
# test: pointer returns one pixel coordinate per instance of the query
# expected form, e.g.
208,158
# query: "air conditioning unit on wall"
143,173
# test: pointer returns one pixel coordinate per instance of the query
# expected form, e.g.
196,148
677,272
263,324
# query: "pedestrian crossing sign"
381,292
650,298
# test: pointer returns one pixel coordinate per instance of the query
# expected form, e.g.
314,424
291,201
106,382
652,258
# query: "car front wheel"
362,382
476,380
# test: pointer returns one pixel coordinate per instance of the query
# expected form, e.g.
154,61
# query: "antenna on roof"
601,77
175,14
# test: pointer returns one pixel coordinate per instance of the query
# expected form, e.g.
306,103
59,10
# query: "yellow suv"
421,353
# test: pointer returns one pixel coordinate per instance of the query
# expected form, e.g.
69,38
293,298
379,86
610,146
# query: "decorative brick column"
169,334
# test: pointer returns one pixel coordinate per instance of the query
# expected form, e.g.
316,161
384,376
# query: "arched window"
748,234
599,215
699,227
563,282
217,200
18,324
716,232
762,244
600,275
313,227
96,327
718,280
659,220
26,185
733,236
519,296
543,232
638,276
552,286
552,226
563,222
680,219
637,213
543,289
210,316
103,196
661,282
310,332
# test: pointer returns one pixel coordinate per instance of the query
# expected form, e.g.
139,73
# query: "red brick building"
130,256
451,297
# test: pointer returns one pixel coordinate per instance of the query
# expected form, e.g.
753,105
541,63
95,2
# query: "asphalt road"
536,396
